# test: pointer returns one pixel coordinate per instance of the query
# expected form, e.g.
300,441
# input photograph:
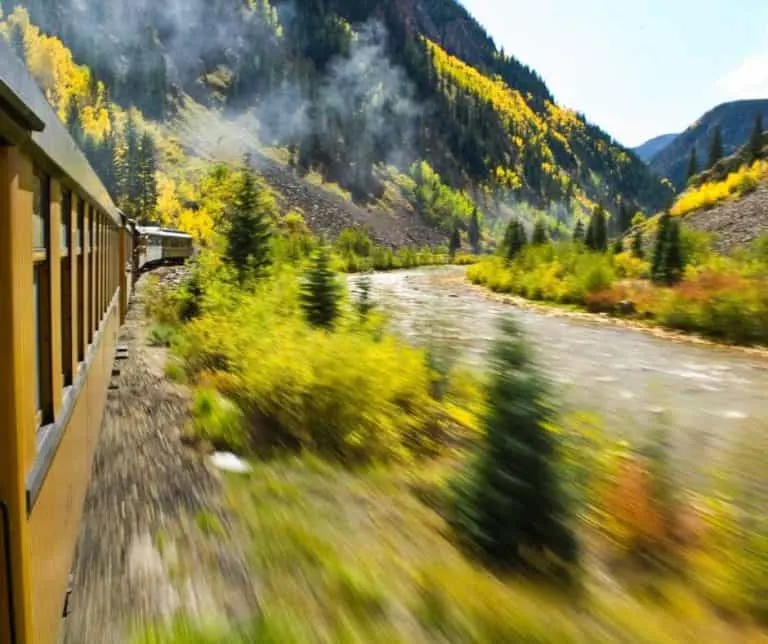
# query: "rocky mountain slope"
654,146
736,121
734,223
352,84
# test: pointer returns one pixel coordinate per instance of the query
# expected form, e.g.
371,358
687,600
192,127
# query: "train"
68,261
157,246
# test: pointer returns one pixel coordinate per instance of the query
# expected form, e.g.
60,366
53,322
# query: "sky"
637,68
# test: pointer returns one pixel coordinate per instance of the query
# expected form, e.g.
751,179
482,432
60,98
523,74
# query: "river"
632,379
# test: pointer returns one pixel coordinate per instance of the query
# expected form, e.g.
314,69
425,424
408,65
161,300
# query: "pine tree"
515,239
658,266
540,234
74,123
597,233
473,233
618,246
716,147
637,244
693,164
668,259
320,294
364,304
674,263
147,176
578,232
455,243
249,234
510,504
756,140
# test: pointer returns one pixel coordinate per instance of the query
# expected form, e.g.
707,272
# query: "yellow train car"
65,277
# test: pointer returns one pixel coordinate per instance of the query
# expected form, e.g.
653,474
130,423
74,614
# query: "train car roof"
33,121
162,232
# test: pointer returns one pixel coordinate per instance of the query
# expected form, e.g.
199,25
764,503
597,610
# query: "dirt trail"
154,539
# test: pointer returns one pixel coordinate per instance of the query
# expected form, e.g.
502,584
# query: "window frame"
41,300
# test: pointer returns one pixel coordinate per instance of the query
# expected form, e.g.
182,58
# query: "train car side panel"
55,521
16,392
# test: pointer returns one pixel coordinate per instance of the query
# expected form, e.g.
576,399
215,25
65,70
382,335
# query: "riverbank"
575,312
632,379
722,300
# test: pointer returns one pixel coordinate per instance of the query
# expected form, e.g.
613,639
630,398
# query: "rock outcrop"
734,223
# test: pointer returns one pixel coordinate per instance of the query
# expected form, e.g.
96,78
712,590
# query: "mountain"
351,85
651,148
736,120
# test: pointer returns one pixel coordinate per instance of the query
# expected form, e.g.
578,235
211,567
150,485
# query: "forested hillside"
350,86
734,122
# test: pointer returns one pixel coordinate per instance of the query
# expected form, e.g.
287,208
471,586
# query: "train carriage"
156,246
66,269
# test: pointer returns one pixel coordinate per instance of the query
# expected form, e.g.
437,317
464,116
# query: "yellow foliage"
709,194
527,129
61,79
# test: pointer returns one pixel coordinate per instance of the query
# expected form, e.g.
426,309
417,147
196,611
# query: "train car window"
81,306
66,221
91,266
41,296
40,212
66,288
79,225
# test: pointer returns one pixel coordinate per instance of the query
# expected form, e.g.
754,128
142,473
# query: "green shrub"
562,273
161,335
218,420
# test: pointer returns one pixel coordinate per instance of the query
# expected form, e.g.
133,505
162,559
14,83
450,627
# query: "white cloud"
748,80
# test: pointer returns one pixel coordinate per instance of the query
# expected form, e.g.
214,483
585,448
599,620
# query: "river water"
633,380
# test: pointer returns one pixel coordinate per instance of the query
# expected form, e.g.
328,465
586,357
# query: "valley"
629,378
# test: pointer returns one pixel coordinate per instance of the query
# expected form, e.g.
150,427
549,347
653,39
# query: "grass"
360,557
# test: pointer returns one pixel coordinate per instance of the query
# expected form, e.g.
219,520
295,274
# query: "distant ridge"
651,148
736,121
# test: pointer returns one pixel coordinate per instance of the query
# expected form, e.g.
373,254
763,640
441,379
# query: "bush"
350,395
719,302
562,273
161,335
218,420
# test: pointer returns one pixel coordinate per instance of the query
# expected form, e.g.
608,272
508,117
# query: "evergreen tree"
321,292
637,244
515,239
147,177
618,246
473,233
74,123
624,219
578,232
674,263
509,503
716,147
597,233
659,264
249,234
540,234
364,303
693,164
756,140
668,260
455,243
